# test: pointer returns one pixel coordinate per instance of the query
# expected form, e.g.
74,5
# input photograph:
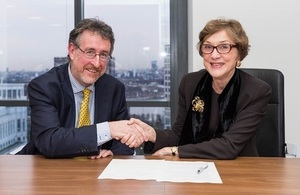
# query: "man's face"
87,70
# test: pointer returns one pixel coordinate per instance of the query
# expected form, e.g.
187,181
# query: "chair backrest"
271,133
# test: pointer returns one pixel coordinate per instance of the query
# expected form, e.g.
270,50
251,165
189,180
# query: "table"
26,174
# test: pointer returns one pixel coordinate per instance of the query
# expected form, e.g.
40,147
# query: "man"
56,96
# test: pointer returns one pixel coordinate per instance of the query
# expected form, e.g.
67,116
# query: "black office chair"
271,134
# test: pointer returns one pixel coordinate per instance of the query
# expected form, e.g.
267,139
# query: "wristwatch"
174,150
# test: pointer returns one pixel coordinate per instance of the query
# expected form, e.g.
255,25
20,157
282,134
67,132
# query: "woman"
220,107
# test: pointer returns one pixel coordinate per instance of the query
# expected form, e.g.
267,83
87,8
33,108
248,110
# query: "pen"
202,168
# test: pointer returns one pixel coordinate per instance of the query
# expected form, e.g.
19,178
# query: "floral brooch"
198,104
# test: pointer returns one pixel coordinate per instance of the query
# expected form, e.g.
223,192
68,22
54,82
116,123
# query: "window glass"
141,56
33,39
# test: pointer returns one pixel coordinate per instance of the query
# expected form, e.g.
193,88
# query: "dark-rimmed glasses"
91,54
222,48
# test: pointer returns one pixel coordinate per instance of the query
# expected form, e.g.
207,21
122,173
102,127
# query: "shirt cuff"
103,133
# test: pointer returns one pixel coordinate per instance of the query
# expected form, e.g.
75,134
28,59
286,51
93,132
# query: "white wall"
274,34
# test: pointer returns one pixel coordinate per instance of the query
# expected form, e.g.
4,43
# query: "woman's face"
220,66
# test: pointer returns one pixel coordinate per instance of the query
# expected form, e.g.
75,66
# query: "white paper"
187,171
132,169
161,170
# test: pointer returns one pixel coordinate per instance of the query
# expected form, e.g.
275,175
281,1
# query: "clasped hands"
132,132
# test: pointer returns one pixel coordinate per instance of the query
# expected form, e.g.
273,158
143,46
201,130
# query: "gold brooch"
198,105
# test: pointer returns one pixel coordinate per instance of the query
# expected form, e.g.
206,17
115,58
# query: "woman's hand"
144,129
166,151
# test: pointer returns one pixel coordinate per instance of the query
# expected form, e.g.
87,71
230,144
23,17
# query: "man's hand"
102,154
143,128
131,135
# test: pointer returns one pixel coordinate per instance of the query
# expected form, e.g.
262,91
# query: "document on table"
162,170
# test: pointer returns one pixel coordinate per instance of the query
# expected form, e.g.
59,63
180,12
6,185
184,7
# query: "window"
34,39
33,35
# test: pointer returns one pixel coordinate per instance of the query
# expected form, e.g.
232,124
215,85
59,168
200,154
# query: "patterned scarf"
196,125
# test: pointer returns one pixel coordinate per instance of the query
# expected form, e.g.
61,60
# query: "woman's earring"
238,64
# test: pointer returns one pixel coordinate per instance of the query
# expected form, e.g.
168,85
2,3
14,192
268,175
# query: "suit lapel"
68,96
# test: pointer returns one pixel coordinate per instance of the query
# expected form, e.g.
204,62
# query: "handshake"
132,132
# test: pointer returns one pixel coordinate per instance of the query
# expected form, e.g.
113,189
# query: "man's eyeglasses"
91,54
222,49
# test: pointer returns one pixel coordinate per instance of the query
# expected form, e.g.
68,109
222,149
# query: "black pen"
202,168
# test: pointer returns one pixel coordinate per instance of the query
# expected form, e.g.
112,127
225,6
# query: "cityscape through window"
33,40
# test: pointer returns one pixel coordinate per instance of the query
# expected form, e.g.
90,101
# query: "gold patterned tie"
84,114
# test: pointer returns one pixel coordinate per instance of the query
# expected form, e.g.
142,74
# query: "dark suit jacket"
239,140
53,116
